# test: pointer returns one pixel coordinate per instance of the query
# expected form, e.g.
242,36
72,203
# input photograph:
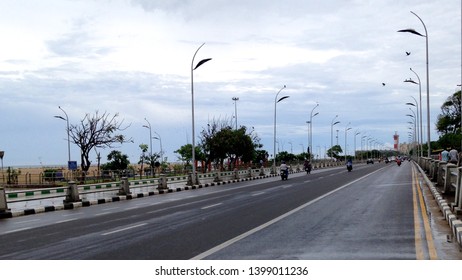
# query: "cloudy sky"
134,58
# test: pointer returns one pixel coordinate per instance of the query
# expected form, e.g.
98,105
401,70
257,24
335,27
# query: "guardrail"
448,180
447,191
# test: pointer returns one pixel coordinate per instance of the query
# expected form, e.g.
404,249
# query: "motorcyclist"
349,164
284,167
307,166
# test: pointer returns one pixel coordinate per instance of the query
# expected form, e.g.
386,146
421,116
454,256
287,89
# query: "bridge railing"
447,178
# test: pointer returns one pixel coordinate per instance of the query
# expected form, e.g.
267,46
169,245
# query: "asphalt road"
370,213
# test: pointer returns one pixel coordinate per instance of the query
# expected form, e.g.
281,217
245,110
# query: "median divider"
125,189
72,193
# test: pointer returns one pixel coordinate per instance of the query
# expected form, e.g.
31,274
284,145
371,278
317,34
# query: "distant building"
396,141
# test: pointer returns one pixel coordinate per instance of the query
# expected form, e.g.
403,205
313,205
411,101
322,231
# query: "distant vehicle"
369,160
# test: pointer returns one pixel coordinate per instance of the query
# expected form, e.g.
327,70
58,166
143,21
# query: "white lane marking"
16,230
210,206
67,220
275,220
143,203
103,213
110,208
258,193
73,214
124,229
287,186
28,221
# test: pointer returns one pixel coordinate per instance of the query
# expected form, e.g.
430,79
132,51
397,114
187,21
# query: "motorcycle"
308,169
398,162
284,175
349,167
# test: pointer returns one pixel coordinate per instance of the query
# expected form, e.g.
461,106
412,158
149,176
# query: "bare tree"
97,131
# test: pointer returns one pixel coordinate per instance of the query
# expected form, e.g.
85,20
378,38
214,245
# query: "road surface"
374,212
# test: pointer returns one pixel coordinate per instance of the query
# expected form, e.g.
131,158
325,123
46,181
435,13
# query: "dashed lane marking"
16,230
258,193
211,206
124,229
27,221
64,221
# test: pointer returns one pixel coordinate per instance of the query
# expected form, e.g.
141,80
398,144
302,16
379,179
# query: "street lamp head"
59,117
410,81
201,62
411,30
145,126
411,104
282,98
337,122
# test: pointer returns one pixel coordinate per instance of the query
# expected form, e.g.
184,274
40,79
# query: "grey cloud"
76,44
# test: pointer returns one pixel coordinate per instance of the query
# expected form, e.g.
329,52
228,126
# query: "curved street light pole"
235,99
274,134
150,136
161,148
194,177
420,110
414,122
346,129
419,117
332,131
308,139
362,147
311,128
428,78
68,138
150,144
356,134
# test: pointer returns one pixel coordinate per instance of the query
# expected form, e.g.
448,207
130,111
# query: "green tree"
260,156
117,161
144,149
335,151
220,141
448,123
285,156
449,119
152,161
303,156
185,153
